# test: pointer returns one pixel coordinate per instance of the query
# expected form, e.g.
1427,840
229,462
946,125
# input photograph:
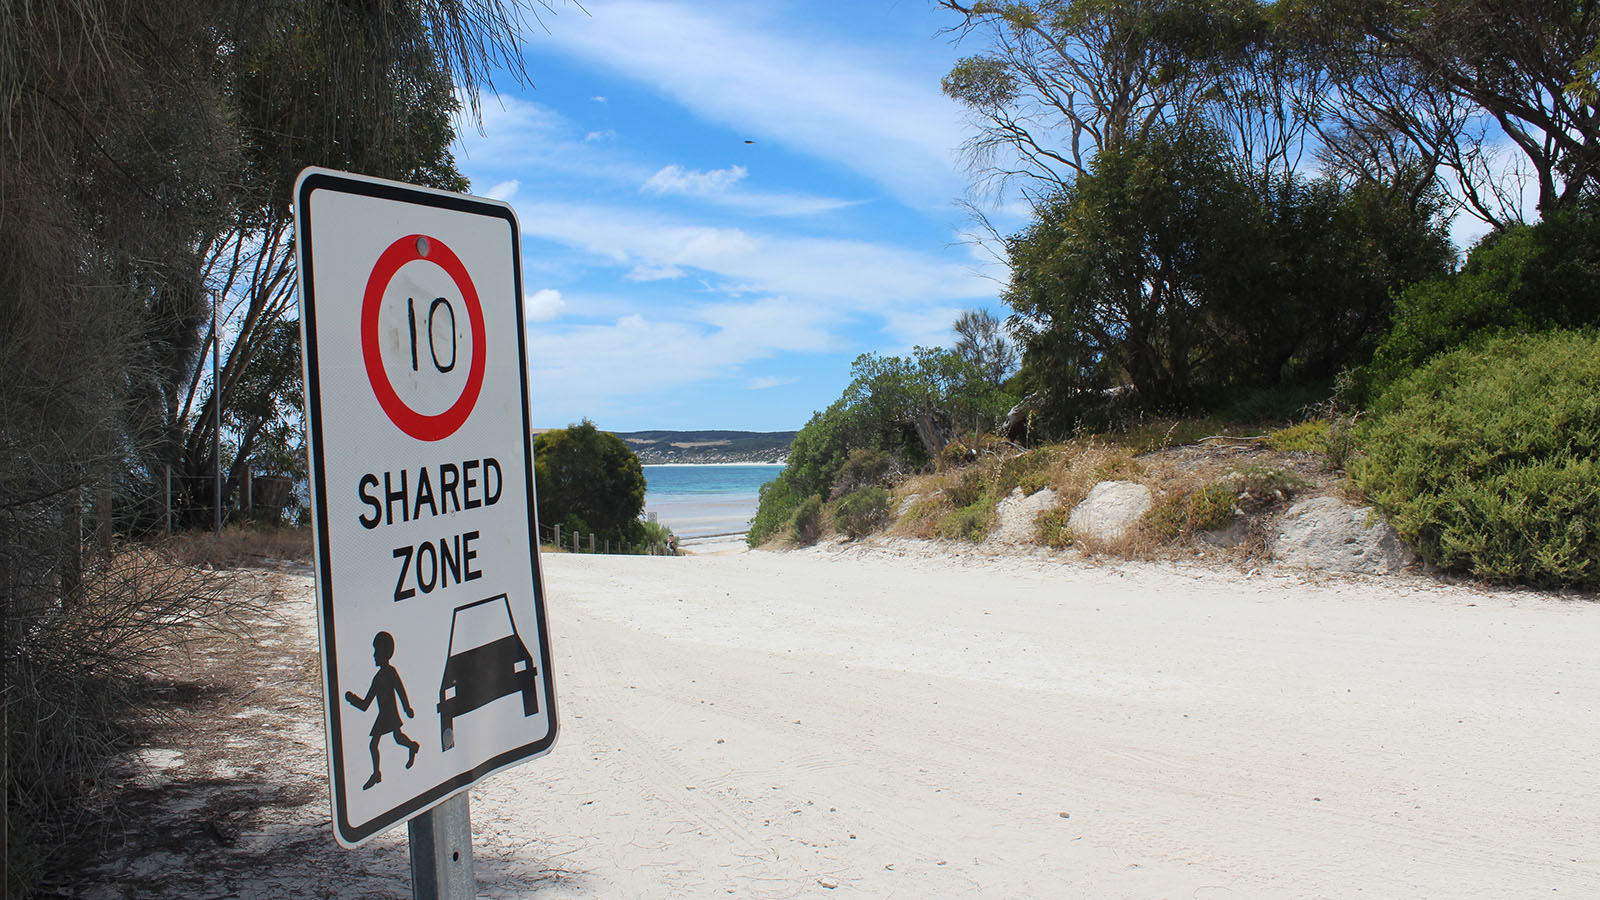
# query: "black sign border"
310,181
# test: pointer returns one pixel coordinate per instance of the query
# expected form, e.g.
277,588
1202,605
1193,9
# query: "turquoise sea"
702,502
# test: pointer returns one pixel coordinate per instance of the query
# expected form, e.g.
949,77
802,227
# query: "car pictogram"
487,661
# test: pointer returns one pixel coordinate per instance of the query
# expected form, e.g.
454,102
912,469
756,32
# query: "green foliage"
589,475
805,527
1207,509
897,411
1029,471
1256,488
1530,278
862,512
654,538
981,340
1170,269
1308,437
774,510
862,468
967,488
1052,528
1488,459
970,522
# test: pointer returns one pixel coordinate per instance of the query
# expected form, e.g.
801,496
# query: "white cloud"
544,305
713,343
675,179
521,137
653,273
764,382
853,105
848,276
722,186
598,99
606,135
505,190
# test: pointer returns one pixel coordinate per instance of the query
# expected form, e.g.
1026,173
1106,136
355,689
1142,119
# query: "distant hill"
657,447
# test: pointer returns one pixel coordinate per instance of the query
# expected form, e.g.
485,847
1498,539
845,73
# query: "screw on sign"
408,249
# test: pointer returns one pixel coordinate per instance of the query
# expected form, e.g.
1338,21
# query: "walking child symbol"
386,689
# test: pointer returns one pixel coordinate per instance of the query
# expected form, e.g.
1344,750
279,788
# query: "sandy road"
822,725
809,725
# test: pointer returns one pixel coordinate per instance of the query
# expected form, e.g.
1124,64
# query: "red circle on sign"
420,426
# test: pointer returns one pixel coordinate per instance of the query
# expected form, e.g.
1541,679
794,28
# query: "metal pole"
441,852
216,408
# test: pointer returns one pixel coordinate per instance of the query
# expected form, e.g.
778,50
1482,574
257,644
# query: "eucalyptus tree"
1057,82
1490,93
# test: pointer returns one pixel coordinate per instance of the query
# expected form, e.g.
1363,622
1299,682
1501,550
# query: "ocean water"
703,502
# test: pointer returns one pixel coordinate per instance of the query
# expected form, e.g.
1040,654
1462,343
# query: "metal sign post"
441,852
435,651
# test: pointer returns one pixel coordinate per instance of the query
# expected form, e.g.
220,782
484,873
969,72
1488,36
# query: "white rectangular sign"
435,653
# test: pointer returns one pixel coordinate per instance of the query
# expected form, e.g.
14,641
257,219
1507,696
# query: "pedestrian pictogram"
389,692
421,456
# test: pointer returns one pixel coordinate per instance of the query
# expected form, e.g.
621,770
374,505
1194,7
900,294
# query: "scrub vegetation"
1198,310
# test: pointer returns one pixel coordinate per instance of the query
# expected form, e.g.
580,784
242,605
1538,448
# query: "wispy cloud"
765,382
853,106
848,276
505,190
722,187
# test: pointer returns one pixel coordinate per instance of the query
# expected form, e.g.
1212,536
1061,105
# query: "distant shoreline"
676,465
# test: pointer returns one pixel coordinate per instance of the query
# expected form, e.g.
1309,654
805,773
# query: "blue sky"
679,277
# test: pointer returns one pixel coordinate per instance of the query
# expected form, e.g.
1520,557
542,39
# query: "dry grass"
241,545
1215,498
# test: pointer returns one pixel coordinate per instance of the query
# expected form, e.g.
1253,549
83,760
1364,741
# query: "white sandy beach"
901,723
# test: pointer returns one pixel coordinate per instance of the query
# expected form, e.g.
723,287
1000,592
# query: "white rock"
1328,534
1110,510
1016,515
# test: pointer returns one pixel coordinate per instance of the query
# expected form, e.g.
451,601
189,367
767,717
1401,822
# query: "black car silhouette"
487,661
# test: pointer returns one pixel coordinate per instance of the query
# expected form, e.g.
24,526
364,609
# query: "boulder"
1015,516
1110,510
1328,534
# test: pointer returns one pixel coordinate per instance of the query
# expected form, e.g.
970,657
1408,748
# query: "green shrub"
1029,471
1207,509
966,488
969,523
1256,488
1310,437
862,512
1488,459
774,510
862,468
1528,279
806,525
1051,528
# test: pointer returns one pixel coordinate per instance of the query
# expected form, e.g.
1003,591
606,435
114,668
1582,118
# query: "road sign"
435,654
